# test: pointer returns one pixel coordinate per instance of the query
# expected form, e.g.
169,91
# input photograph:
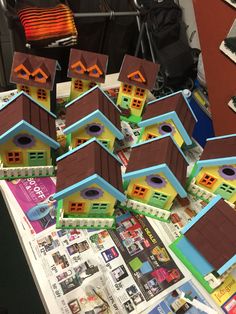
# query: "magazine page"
225,295
173,303
35,198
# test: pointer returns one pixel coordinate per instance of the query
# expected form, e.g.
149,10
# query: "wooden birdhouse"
86,69
168,115
216,170
88,195
207,244
27,139
156,174
93,114
35,76
137,76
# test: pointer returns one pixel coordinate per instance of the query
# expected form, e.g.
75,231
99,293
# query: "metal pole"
3,5
150,43
105,14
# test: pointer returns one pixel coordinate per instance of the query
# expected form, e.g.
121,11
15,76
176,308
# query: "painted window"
127,89
94,129
76,207
156,181
14,157
140,92
228,172
92,84
79,141
150,136
158,199
125,102
139,191
41,94
91,193
39,77
226,191
136,104
207,180
37,158
24,140
94,71
25,89
100,207
22,74
78,85
165,128
106,143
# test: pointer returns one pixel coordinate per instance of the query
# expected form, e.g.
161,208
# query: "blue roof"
219,161
221,137
97,114
157,169
171,115
214,162
25,126
227,265
194,257
93,179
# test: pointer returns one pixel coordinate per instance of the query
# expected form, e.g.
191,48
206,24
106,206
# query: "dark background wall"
214,20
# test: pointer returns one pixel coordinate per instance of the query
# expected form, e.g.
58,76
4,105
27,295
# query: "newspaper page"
122,271
173,303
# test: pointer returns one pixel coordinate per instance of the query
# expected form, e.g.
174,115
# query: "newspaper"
173,303
225,295
121,271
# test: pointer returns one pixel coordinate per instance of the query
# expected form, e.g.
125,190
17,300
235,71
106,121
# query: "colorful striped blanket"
48,27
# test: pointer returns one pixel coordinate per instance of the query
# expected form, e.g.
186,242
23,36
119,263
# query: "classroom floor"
18,293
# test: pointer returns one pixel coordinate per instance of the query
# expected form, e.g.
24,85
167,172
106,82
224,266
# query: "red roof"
147,69
88,59
171,103
214,235
31,63
157,152
86,161
86,104
23,108
220,147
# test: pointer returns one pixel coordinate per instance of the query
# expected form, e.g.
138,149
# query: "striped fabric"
48,27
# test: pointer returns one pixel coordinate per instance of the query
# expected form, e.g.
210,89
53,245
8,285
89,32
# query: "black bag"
169,41
164,20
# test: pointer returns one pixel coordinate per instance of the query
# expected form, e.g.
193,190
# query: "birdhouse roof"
89,60
159,155
23,113
93,164
168,107
138,72
213,233
32,63
90,105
